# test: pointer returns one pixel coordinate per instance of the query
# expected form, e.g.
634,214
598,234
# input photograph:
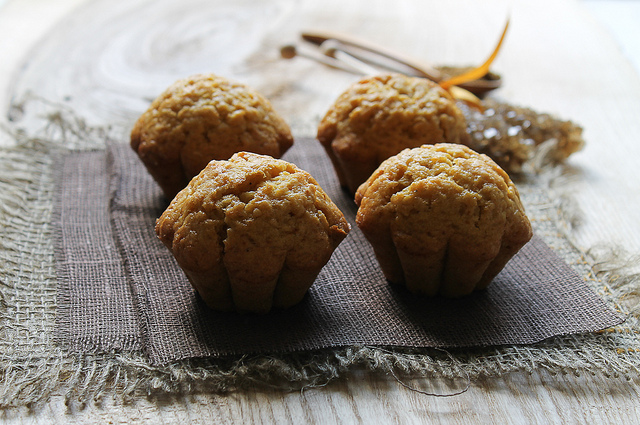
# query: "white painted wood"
557,58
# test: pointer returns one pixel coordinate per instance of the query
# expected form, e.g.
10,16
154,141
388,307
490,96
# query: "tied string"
452,85
478,72
353,55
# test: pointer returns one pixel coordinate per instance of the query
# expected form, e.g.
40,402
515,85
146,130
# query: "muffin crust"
201,118
442,219
252,233
379,116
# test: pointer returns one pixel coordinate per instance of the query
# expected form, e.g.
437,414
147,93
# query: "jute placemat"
35,364
121,289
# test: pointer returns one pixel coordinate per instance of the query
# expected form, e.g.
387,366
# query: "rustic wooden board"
108,59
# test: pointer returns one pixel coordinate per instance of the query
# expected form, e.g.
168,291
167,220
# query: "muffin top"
201,118
379,116
252,210
425,196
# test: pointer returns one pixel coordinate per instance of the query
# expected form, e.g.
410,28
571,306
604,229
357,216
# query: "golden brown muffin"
442,219
252,232
201,118
378,117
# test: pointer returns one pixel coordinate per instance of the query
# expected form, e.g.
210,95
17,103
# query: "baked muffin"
201,118
442,219
252,232
379,116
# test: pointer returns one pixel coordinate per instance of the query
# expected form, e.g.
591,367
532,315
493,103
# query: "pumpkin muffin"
201,118
442,219
252,232
379,116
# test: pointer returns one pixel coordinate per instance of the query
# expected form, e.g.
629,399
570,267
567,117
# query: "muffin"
379,116
442,219
202,118
252,232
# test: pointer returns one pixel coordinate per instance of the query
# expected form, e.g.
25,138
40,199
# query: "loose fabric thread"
32,368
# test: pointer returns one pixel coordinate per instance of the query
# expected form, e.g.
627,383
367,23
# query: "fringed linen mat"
41,354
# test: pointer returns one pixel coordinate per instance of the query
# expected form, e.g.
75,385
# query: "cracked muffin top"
252,216
201,118
379,116
444,203
460,190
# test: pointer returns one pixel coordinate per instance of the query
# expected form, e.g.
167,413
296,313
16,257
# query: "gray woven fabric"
33,368
95,311
111,266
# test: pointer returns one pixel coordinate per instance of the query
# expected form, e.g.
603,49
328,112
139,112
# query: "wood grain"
364,399
108,59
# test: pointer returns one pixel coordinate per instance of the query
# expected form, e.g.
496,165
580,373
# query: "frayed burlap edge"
33,368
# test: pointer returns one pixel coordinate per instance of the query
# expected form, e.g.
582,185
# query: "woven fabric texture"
33,367
120,288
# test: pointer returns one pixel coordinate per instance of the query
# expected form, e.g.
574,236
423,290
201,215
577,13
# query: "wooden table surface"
107,59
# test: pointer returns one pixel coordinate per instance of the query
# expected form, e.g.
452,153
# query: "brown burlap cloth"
120,288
